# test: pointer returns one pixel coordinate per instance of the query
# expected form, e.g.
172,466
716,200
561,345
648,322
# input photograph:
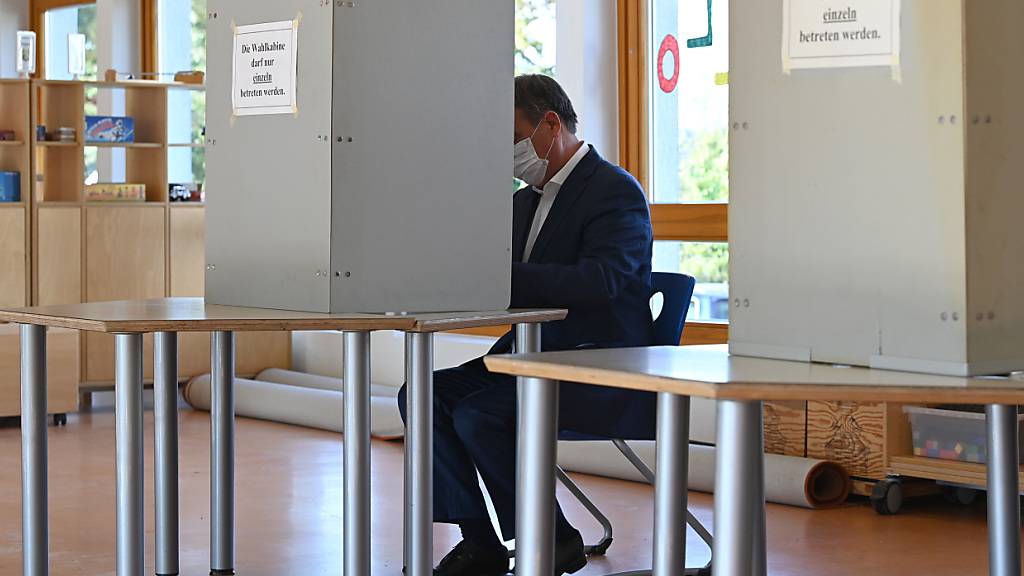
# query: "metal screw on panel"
977,119
746,303
991,315
349,138
737,302
952,119
944,316
736,126
980,316
988,119
942,119
348,274
746,125
956,317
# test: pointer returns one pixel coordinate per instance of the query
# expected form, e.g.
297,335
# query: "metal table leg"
419,450
538,445
407,478
357,454
737,475
671,484
1003,491
165,411
34,532
222,455
760,551
130,472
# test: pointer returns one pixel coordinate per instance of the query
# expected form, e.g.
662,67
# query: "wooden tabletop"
710,372
193,315
443,321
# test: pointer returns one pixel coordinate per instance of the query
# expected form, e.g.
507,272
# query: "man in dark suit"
582,240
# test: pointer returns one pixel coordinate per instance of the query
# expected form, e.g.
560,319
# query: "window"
535,37
674,96
181,46
708,263
689,115
58,23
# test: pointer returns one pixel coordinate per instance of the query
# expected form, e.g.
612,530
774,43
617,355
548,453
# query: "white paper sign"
76,54
26,52
830,34
264,75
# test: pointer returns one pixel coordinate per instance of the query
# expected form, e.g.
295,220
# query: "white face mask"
529,167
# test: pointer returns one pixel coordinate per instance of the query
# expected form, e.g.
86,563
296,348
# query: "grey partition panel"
422,182
847,197
995,183
391,187
268,223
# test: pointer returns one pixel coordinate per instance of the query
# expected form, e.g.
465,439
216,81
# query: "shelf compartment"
59,172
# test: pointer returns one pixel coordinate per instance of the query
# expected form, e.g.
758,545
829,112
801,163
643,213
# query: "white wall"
117,46
13,17
587,67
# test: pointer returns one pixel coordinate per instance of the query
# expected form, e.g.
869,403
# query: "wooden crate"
785,428
861,436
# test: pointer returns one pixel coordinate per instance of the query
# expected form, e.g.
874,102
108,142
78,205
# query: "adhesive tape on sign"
669,44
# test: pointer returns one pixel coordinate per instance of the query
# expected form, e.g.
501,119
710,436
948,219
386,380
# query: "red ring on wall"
669,44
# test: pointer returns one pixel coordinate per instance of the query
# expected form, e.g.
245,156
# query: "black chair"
676,291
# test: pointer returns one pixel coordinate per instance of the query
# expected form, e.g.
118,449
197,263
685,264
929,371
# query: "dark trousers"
475,430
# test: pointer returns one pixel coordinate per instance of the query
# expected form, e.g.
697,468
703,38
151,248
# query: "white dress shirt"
547,197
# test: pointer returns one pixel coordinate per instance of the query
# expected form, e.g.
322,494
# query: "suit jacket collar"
524,207
569,193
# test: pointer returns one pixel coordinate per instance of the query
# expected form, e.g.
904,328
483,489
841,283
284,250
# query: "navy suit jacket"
593,257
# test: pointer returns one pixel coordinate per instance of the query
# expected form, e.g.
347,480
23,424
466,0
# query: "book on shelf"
10,186
115,193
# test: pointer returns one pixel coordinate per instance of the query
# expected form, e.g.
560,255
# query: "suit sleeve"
616,242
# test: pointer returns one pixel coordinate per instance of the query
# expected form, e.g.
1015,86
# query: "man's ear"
553,120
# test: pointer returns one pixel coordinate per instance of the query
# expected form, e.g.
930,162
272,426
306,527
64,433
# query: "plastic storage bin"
951,434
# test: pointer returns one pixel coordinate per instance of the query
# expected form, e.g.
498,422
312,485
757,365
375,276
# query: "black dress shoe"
569,555
469,559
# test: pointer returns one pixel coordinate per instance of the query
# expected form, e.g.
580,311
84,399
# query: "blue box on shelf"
10,187
99,129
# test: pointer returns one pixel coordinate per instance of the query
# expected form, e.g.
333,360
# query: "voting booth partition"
361,154
875,192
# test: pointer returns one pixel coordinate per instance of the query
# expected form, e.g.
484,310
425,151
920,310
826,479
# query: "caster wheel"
60,419
960,495
887,497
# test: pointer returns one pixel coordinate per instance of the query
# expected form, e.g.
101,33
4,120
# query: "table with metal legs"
419,357
128,321
740,385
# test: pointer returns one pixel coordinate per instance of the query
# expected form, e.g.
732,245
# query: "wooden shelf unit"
88,251
14,216
16,235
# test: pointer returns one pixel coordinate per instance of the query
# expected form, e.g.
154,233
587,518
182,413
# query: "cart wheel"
60,419
960,495
887,497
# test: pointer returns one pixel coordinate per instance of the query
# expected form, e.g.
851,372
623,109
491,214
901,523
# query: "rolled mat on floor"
318,382
803,482
316,402
288,404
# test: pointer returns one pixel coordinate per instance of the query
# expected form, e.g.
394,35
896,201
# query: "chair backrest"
676,291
